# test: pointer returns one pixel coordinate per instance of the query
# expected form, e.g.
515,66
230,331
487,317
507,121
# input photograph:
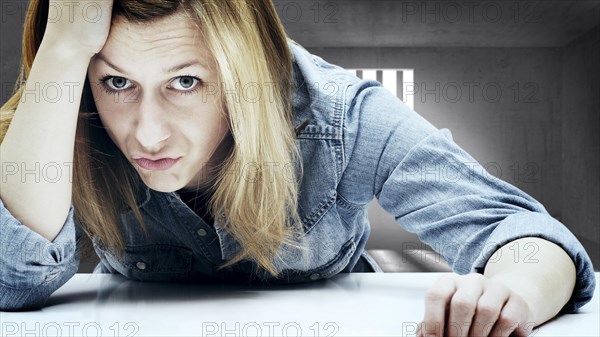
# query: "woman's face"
149,84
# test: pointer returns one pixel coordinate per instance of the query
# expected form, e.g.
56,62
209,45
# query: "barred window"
398,81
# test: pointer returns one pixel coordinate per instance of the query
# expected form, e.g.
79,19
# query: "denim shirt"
360,141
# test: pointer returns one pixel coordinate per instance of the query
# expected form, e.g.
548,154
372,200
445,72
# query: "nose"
152,128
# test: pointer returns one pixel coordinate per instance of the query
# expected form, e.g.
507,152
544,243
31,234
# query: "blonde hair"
249,44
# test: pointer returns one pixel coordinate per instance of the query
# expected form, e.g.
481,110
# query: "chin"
162,190
163,186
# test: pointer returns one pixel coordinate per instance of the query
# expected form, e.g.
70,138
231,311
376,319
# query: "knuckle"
507,318
463,304
518,300
434,294
487,310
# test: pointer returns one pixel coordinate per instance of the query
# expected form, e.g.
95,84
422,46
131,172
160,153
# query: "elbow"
21,300
18,292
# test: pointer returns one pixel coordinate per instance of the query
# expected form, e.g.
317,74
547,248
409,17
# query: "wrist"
63,49
540,310
546,281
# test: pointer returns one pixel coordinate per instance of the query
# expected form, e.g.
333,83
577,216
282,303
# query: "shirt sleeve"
31,266
438,191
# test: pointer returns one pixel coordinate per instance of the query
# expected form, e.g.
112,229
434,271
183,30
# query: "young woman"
205,145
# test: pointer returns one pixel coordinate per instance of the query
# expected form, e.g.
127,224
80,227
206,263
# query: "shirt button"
314,276
201,232
141,265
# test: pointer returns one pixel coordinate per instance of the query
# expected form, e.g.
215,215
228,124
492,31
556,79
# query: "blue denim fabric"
360,141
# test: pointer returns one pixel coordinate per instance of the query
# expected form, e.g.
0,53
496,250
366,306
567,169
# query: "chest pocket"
151,263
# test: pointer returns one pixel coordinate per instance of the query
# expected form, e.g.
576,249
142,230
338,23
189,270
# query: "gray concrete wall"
581,139
437,23
12,16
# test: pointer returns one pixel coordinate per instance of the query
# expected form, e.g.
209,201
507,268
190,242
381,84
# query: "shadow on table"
117,288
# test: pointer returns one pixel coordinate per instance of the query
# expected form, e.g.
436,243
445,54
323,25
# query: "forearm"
536,269
37,150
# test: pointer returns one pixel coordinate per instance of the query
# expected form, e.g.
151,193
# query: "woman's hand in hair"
80,26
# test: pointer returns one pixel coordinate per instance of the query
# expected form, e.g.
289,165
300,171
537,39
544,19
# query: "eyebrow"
170,70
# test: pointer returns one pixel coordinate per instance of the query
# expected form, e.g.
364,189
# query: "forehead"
168,37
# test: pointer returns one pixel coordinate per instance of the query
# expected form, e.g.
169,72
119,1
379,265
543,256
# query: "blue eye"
186,82
116,83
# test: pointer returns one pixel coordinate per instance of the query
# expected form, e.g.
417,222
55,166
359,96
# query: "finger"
488,309
513,318
436,300
463,304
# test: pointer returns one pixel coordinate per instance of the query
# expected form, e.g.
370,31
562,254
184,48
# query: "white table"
358,304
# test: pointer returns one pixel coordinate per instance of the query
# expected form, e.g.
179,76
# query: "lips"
159,165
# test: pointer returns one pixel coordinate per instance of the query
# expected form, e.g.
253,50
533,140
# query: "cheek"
110,127
214,128
111,117
108,116
104,100
111,113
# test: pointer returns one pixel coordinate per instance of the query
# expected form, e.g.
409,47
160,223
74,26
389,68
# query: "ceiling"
396,23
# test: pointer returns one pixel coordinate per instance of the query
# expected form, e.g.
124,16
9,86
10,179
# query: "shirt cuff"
28,259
